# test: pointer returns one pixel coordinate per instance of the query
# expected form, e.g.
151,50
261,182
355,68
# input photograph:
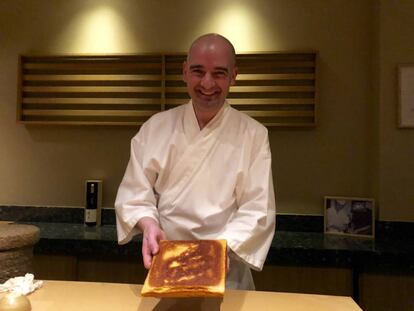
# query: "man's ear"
185,71
234,73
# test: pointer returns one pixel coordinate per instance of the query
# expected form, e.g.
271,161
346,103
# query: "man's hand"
151,235
227,264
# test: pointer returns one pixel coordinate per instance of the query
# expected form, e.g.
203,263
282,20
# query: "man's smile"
205,93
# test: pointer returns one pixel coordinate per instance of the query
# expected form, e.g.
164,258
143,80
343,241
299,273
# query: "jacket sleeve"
135,198
250,231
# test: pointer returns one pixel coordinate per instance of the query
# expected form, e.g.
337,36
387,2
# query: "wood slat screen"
90,89
277,89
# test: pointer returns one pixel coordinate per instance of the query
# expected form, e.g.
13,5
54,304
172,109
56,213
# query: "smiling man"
202,170
209,72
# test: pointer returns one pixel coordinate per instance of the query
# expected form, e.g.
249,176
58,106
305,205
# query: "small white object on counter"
22,285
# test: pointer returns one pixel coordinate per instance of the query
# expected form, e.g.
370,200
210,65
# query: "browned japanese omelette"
188,269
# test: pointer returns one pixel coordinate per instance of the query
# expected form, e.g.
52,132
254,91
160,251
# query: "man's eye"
197,72
220,74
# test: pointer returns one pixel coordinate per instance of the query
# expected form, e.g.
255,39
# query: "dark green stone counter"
299,240
298,248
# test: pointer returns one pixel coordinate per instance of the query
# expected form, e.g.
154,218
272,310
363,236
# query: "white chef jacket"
213,183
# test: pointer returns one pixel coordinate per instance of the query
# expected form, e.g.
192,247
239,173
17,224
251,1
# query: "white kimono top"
214,183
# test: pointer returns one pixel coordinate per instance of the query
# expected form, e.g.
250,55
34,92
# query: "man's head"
209,71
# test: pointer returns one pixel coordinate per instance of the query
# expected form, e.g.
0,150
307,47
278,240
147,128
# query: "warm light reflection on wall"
239,24
98,30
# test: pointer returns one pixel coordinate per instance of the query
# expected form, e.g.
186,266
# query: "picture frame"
349,216
406,96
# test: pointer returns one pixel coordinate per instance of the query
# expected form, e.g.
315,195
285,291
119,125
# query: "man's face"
209,72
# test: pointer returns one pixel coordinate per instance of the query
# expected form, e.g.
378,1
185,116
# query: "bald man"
202,170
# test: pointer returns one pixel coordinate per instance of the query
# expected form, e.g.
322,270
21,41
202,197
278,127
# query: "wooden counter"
91,296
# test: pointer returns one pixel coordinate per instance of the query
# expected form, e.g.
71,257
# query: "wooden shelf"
278,89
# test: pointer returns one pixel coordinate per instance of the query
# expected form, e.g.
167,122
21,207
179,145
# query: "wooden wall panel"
309,279
387,291
277,89
111,270
55,267
108,90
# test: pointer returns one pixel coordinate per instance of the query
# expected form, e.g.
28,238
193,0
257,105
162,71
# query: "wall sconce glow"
240,25
98,30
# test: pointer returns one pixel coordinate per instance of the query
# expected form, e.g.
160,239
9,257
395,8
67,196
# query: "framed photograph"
349,216
406,96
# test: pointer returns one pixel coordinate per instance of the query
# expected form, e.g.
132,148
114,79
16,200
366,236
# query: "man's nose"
207,81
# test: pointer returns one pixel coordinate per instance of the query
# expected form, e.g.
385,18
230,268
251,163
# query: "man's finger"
146,254
163,236
227,264
153,243
153,246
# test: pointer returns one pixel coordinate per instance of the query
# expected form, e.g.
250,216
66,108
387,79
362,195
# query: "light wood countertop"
91,296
